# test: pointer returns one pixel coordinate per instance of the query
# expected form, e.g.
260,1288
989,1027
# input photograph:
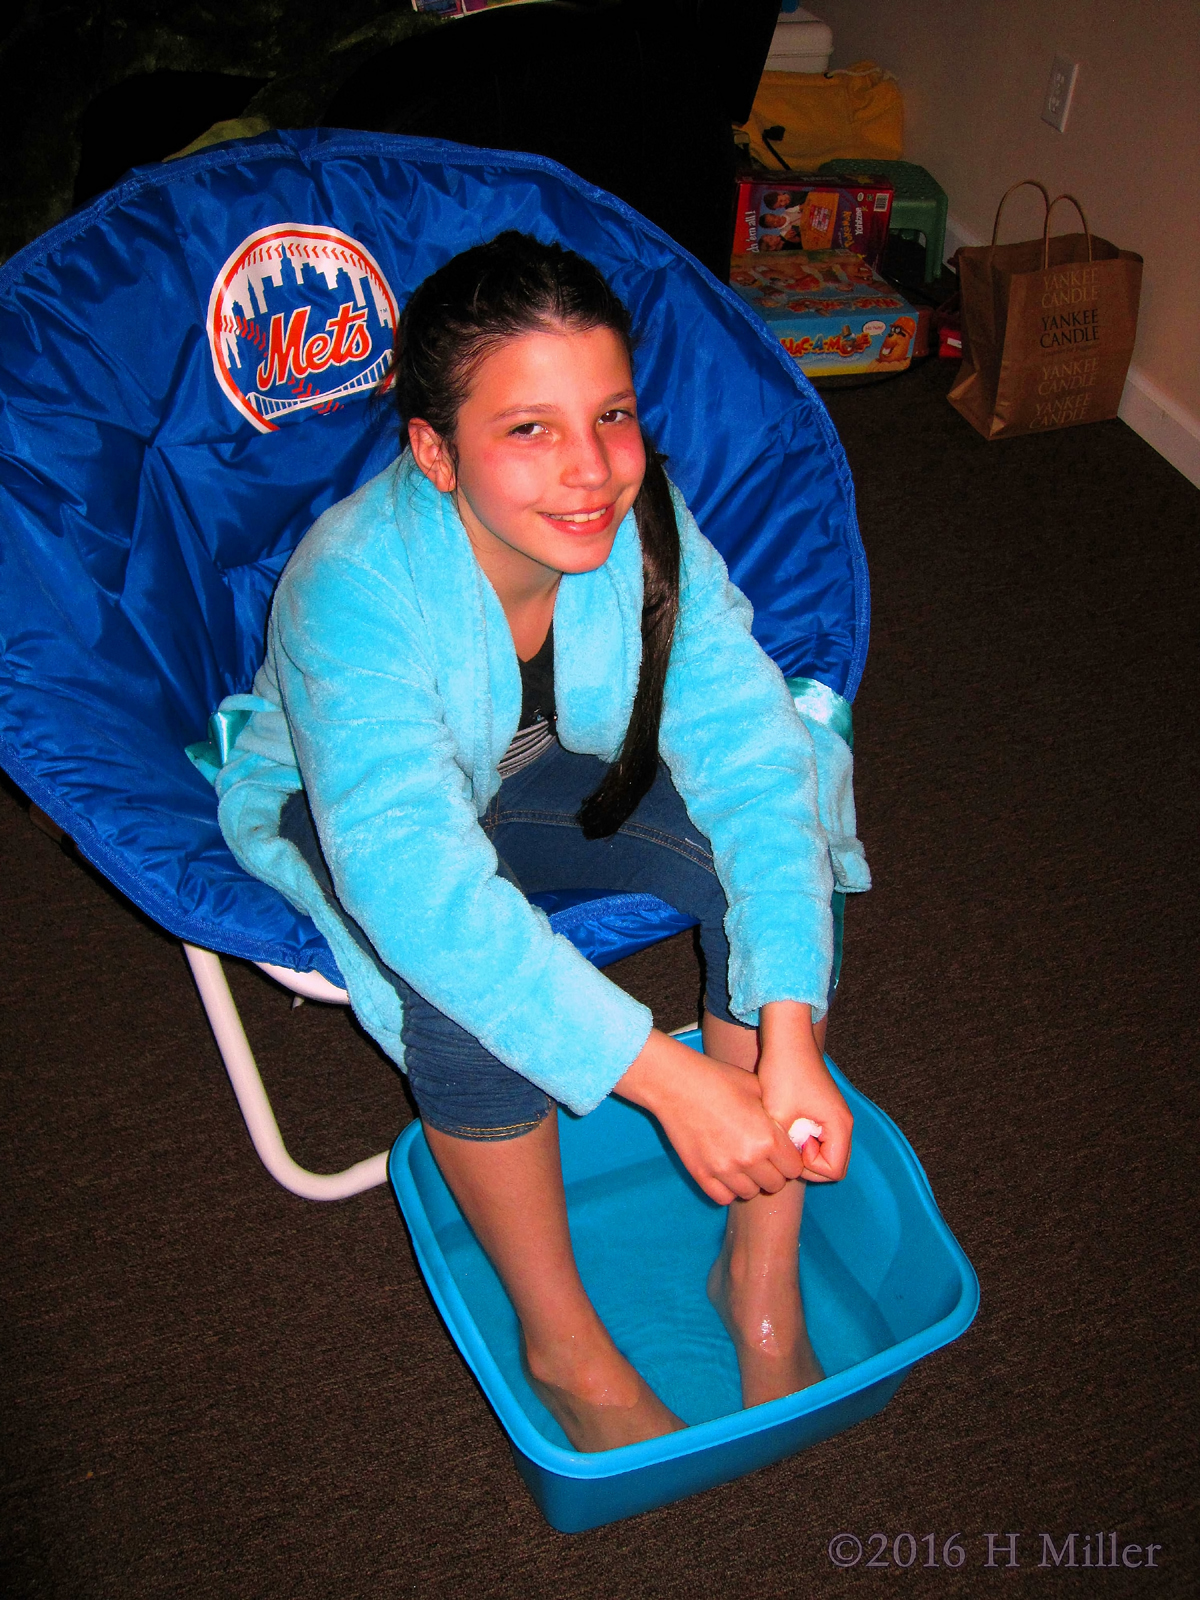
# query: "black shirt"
535,731
537,685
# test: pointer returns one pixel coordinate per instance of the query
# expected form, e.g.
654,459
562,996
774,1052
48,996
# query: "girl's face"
549,454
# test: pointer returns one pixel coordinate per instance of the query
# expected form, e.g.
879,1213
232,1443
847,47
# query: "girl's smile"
589,521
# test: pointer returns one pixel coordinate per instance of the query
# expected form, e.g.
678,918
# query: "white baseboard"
1163,423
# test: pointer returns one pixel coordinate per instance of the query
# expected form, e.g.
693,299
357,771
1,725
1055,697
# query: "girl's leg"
511,1192
495,1137
754,1283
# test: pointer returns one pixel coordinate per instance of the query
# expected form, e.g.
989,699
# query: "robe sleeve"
745,763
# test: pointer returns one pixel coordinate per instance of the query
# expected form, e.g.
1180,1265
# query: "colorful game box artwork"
811,211
829,310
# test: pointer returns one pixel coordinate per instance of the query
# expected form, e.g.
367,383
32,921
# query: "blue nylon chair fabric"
145,517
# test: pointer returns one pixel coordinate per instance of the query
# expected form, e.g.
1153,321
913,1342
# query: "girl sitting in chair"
512,663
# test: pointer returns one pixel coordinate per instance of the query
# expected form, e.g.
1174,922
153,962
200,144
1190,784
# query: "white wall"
974,77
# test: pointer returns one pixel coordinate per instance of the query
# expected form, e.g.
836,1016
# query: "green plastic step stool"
919,205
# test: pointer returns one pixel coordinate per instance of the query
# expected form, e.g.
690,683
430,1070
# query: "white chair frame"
226,1024
247,1083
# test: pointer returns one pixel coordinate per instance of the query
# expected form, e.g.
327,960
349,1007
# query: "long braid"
631,774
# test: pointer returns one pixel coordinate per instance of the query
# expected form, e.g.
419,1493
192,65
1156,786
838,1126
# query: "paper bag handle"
1012,189
1046,227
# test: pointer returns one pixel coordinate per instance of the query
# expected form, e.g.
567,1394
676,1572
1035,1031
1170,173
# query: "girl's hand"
795,1082
713,1115
794,1087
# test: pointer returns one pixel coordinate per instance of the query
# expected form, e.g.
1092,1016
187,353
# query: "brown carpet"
212,1388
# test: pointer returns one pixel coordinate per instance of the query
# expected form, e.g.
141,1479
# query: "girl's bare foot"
600,1403
759,1303
511,1192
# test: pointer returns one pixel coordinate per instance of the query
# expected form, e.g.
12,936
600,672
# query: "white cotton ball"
804,1128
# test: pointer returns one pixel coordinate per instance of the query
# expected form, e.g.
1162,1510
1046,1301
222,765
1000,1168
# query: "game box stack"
829,309
811,211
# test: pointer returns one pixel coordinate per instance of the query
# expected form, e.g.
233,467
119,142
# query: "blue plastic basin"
885,1283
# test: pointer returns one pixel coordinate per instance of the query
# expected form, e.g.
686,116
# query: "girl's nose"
586,465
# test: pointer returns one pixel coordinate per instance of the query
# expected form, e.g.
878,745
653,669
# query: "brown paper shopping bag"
1048,328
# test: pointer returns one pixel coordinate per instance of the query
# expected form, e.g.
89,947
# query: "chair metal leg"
252,1097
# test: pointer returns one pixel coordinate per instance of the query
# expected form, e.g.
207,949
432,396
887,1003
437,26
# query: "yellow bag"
858,112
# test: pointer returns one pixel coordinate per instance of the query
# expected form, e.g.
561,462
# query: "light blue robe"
390,691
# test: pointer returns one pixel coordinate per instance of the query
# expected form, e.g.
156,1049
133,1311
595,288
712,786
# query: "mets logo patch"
300,319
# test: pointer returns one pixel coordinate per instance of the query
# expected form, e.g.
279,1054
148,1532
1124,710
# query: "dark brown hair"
454,320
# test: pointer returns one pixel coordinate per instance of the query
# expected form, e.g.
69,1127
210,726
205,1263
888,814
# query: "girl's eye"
526,430
617,414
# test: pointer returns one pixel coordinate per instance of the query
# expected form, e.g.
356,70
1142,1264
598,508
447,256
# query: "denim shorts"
461,1088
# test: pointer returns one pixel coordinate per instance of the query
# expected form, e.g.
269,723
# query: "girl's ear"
431,454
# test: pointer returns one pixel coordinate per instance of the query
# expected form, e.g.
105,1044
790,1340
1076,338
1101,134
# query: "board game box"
811,211
829,310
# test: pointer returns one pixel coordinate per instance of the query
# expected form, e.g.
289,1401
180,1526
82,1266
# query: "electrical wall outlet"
1059,90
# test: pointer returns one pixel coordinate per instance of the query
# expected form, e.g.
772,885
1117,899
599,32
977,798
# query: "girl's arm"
746,766
396,817
744,763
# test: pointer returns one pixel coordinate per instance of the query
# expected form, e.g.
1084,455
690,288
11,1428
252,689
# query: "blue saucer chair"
191,368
